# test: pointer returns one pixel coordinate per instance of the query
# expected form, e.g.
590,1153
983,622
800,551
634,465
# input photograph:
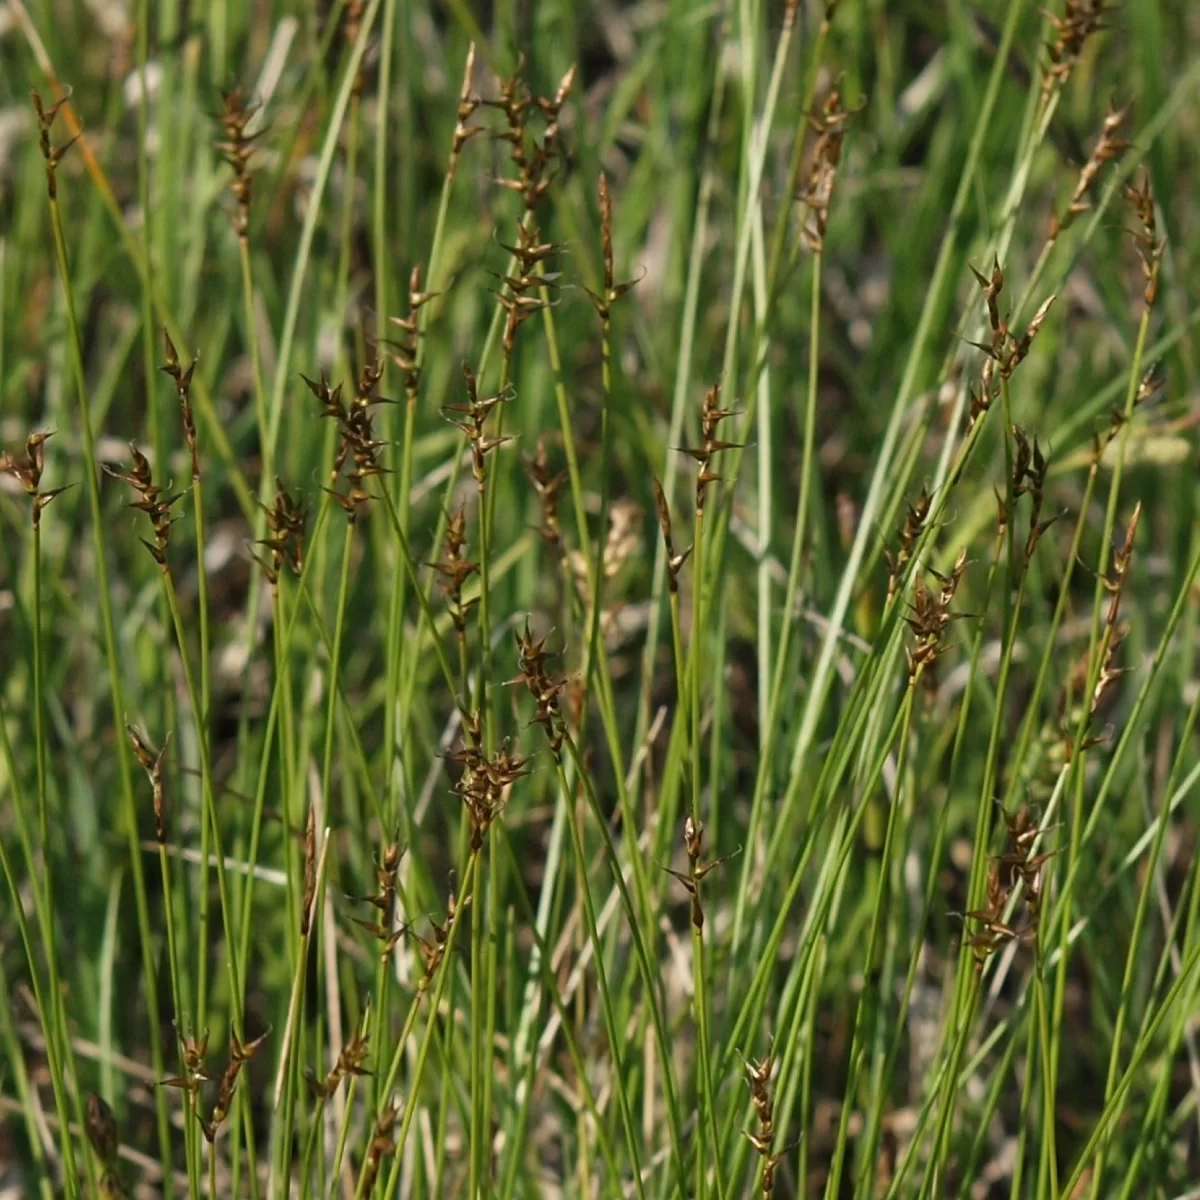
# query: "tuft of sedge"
1005,351
994,931
1019,862
930,616
357,443
612,291
536,160
384,899
1030,467
433,948
468,102
406,348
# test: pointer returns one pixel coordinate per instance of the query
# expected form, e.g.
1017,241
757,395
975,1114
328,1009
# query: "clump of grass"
416,780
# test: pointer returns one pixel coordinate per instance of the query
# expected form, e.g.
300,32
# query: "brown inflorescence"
357,443
1030,466
547,483
456,568
381,1146
546,691
407,345
51,155
101,1128
693,842
384,899
151,761
349,1065
830,127
535,159
183,386
484,784
675,560
1080,19
910,534
239,1056
28,472
711,416
758,1076
1109,145
151,500
468,102
471,418
310,871
930,616
285,520
237,146
613,290
1150,247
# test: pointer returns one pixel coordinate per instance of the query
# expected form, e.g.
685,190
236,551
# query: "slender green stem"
113,659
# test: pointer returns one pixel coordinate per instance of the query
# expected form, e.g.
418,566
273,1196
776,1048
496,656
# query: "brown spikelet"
546,692
285,522
183,386
151,501
349,1065
1108,147
910,535
236,147
28,473
711,416
152,763
51,155
239,1055
1080,19
101,1128
830,127
693,842
758,1076
1150,248
381,1146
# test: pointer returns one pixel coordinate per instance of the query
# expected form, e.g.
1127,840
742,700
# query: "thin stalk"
48,1015
763,776
1097,649
858,1050
116,687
